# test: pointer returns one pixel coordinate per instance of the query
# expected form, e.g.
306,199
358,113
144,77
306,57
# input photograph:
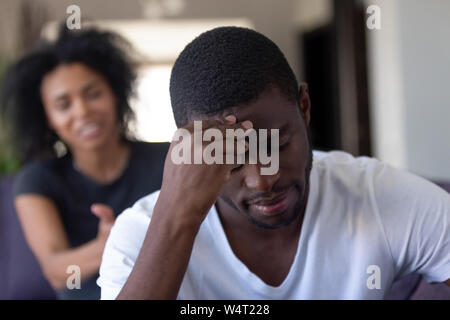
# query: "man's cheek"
231,189
227,192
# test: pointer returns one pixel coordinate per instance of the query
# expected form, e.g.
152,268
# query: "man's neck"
254,246
236,226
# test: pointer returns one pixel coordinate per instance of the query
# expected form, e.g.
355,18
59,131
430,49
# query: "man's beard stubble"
300,205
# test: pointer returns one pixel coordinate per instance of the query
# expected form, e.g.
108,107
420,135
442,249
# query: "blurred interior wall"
409,67
280,20
276,19
9,11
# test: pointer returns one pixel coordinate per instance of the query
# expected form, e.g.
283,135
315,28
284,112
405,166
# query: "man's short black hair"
226,67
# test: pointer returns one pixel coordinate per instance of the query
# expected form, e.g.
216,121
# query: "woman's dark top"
74,193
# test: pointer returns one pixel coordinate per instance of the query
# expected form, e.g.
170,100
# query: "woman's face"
80,106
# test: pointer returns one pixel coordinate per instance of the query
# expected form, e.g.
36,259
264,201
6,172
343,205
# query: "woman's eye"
63,106
93,95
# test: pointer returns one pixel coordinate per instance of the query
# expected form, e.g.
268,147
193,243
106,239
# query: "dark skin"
189,191
265,235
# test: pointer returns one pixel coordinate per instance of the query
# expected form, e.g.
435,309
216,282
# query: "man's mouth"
273,205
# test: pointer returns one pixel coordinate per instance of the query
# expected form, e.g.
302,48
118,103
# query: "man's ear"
304,102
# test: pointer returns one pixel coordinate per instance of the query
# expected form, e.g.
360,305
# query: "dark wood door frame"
351,58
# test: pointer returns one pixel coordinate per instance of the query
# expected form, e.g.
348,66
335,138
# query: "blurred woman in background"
75,92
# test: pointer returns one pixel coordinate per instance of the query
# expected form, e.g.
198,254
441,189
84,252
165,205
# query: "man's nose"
254,180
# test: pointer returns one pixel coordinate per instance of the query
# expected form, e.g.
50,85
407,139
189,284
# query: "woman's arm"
47,239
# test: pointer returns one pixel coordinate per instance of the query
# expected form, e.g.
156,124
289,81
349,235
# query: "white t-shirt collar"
252,280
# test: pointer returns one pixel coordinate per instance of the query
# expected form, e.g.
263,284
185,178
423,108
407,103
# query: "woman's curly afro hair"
102,51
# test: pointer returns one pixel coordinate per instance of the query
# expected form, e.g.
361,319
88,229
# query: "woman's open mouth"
90,130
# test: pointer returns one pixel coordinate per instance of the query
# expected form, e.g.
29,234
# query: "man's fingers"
229,122
231,134
231,119
234,141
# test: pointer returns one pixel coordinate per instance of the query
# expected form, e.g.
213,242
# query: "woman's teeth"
88,129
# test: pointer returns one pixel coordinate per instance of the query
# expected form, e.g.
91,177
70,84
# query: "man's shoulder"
146,204
361,177
386,185
131,225
344,169
337,158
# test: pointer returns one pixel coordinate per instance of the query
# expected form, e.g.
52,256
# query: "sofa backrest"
20,274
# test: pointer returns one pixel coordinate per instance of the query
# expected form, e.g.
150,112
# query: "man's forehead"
272,110
269,116
261,118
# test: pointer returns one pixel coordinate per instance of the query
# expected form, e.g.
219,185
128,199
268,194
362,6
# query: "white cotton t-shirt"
366,224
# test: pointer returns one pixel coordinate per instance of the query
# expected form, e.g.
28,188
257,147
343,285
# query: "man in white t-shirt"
323,226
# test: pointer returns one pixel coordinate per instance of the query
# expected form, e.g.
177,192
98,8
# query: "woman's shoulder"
44,166
36,168
38,176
